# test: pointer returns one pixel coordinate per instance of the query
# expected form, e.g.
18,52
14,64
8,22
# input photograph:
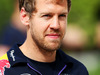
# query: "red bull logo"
4,64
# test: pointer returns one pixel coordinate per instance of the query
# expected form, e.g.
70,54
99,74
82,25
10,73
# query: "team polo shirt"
16,63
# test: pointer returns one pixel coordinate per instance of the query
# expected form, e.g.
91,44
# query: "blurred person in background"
75,38
97,37
13,32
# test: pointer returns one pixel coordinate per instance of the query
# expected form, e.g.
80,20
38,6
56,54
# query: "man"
39,55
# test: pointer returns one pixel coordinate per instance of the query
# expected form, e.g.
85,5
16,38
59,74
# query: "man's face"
48,24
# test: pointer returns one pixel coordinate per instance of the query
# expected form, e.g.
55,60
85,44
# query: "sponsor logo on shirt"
4,64
25,74
66,74
12,55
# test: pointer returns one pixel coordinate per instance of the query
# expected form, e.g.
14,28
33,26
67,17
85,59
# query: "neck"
30,50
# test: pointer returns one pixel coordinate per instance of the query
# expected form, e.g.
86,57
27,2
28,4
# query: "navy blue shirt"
63,65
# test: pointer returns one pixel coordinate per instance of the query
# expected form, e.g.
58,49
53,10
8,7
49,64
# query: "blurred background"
82,39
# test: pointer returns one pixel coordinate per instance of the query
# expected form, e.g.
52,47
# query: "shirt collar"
15,55
64,58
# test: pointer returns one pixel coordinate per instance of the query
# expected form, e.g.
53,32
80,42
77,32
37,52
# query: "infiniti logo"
66,74
25,74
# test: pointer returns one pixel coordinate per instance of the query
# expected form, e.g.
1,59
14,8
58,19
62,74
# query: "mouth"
53,35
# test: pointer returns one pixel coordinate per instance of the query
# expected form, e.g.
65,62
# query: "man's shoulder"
67,58
72,62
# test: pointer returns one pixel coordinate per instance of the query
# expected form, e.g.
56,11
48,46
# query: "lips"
53,35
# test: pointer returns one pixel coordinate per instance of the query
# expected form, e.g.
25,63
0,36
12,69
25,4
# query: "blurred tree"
6,8
83,13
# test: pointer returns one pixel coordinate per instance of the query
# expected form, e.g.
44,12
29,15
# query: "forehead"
59,2
47,3
56,1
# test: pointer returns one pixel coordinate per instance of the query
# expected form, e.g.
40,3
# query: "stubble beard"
43,45
46,46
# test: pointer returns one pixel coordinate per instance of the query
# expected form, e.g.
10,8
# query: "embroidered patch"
12,55
4,64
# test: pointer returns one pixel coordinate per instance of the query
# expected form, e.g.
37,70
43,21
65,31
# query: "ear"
24,16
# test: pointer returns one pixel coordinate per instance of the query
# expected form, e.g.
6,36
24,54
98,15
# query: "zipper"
62,70
34,69
40,72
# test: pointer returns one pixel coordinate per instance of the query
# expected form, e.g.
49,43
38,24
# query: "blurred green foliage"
85,13
6,8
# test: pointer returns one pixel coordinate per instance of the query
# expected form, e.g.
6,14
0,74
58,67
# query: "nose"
55,24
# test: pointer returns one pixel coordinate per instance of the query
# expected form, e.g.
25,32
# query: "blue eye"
47,15
62,15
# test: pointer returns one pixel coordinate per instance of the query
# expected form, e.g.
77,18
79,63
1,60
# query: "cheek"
63,27
43,26
40,27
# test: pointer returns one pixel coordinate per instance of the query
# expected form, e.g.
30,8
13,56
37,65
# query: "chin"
54,47
51,50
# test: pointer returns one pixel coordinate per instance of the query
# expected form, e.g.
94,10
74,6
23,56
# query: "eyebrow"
53,13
